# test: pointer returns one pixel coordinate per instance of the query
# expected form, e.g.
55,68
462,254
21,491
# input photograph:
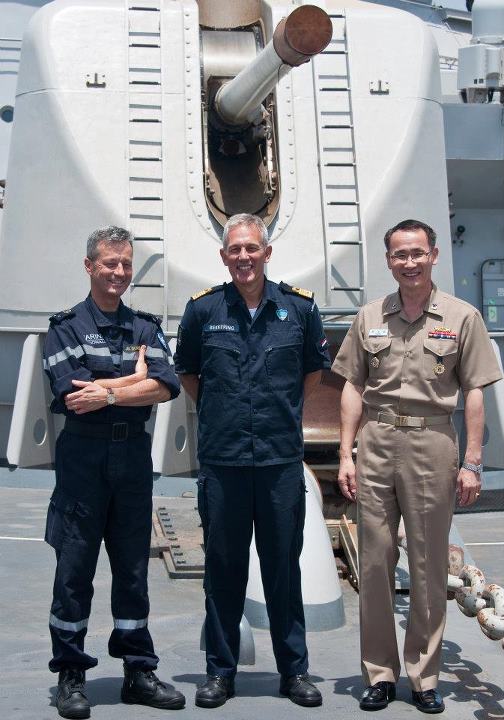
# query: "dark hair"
411,225
111,235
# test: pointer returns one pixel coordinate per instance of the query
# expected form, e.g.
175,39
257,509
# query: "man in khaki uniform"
404,359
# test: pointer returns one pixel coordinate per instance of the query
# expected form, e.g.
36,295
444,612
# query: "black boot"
301,690
215,691
143,687
71,700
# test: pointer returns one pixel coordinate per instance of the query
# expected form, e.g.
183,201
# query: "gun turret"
297,38
241,167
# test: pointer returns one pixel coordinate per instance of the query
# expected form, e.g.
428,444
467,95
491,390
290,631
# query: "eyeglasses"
415,255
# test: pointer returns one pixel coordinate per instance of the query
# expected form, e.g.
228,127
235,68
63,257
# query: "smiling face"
245,257
110,273
411,259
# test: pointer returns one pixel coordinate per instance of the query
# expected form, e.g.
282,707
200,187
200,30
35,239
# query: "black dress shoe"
215,691
300,690
428,701
377,696
71,700
143,687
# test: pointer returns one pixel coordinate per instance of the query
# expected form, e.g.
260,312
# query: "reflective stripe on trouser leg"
120,624
69,626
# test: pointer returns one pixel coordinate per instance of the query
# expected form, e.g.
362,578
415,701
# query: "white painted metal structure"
111,133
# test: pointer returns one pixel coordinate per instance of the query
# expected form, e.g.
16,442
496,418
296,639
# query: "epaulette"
149,316
61,315
308,294
207,291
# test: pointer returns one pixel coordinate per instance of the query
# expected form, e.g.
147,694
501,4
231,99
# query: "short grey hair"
111,235
248,220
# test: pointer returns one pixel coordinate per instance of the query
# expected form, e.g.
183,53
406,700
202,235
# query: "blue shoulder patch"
162,340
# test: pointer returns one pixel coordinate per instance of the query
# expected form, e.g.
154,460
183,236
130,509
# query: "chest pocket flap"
376,345
441,347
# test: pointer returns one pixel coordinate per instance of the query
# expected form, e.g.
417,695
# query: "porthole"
7,113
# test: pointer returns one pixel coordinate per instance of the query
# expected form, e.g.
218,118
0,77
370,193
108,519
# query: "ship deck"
471,678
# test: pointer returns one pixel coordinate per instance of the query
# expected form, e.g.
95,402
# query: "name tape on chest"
442,333
378,332
220,327
94,339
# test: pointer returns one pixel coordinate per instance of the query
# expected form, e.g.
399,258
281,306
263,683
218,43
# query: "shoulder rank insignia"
61,315
308,294
206,291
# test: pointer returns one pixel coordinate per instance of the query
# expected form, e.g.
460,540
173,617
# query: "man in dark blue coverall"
248,353
107,366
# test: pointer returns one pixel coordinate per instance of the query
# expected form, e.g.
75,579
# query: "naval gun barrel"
297,38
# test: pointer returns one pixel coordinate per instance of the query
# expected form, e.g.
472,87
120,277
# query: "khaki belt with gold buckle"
407,420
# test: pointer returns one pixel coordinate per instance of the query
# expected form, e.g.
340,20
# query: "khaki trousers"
410,472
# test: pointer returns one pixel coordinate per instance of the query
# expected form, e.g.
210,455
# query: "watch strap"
475,468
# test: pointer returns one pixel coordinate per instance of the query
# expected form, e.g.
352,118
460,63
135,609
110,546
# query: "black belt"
108,431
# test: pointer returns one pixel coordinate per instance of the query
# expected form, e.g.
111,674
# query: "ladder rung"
140,285
147,9
335,89
342,202
144,238
332,164
144,159
144,82
336,16
145,120
348,289
337,127
324,311
345,242
334,52
145,197
145,45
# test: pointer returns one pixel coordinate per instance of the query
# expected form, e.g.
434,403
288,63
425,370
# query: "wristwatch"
475,468
111,398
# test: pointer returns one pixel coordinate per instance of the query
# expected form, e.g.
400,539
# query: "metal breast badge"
375,362
439,367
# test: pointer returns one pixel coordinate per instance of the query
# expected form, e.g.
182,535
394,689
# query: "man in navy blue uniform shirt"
107,366
248,353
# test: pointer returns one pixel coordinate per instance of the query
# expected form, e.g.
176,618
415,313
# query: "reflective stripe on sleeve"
153,352
62,355
70,626
76,352
129,624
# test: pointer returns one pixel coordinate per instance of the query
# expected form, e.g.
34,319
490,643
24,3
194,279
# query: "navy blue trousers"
103,492
232,501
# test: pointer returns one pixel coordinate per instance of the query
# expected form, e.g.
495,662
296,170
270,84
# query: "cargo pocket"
61,519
